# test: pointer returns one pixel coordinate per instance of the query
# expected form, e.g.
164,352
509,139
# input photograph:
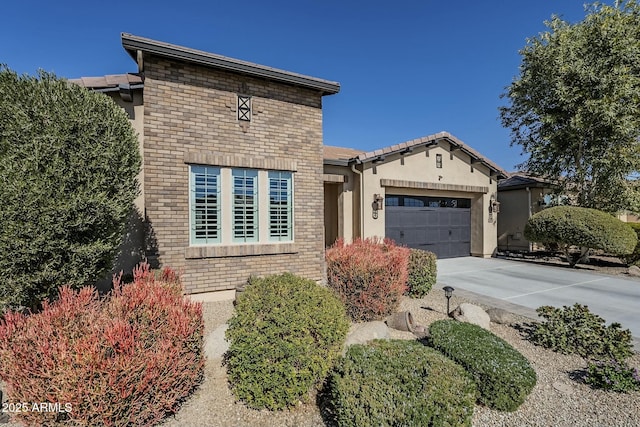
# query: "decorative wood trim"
433,186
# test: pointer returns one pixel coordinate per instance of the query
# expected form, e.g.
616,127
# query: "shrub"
634,257
576,330
422,273
128,359
503,375
399,383
369,275
613,375
285,335
586,228
69,165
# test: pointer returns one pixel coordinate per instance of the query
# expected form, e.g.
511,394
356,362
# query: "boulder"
215,345
500,316
471,313
362,333
421,332
634,270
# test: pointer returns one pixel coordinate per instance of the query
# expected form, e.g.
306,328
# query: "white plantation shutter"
204,218
280,206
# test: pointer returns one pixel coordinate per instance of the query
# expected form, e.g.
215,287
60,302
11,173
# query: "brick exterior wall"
190,113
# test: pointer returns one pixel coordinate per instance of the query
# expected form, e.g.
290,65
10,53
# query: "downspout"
361,207
529,213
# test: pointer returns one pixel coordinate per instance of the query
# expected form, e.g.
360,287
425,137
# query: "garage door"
440,225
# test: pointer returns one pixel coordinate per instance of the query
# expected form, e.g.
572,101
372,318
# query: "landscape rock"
215,346
634,270
420,332
471,313
500,316
362,333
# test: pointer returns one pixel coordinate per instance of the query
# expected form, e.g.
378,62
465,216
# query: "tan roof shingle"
109,81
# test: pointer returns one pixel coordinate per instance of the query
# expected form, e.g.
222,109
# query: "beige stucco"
516,206
132,249
415,173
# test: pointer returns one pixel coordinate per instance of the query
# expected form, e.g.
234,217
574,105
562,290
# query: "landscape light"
448,291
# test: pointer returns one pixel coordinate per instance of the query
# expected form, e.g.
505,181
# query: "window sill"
252,249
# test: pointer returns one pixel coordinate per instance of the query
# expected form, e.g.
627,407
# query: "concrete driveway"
522,287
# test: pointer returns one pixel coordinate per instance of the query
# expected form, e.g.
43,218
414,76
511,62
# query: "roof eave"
133,43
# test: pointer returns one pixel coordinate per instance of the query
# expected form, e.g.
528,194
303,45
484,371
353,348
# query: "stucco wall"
516,206
132,250
456,178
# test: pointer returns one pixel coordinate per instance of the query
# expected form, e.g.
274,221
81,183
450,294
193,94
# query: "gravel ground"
557,400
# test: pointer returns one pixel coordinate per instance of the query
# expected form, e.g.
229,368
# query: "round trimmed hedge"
399,383
503,375
285,336
584,227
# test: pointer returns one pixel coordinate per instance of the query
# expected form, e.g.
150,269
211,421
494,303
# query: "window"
204,204
415,202
244,108
427,201
439,161
245,205
280,206
392,201
229,206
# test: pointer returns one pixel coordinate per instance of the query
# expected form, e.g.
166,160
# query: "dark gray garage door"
440,225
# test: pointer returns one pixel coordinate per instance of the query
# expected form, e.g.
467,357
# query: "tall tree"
68,165
575,105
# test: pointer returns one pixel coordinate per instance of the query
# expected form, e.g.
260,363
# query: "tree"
69,160
585,228
575,106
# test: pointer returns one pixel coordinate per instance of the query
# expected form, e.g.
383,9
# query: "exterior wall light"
448,292
377,205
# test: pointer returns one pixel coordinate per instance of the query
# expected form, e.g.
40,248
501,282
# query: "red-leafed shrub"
128,359
369,275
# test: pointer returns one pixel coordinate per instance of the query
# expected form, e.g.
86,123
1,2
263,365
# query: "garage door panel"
444,231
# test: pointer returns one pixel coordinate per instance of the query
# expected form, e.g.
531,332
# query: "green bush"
613,375
399,383
575,330
634,257
422,273
503,375
285,335
67,184
586,228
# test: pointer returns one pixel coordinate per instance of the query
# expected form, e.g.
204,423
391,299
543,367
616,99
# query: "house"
523,195
232,152
520,196
236,180
434,193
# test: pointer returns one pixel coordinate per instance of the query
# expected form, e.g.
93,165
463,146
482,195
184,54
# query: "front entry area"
441,225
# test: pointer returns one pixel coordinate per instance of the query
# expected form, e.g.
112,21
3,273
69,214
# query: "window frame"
252,209
252,206
277,235
211,171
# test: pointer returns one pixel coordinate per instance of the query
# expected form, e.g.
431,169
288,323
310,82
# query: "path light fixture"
448,291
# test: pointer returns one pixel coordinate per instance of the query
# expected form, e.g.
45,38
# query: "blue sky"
407,68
